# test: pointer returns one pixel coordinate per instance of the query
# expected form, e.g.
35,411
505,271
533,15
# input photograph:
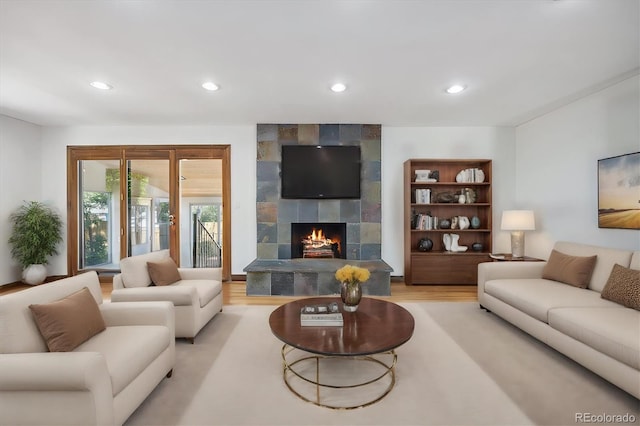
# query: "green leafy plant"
37,230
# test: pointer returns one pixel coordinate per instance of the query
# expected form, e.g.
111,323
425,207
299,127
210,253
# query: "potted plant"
37,230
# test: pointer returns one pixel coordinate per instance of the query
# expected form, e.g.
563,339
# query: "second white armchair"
196,295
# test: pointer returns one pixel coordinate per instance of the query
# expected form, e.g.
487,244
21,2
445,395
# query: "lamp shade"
518,220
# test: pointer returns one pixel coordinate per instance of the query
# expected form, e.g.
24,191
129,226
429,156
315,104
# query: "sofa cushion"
635,261
164,272
623,286
128,350
68,322
179,296
572,270
614,331
18,330
607,257
536,296
134,269
207,289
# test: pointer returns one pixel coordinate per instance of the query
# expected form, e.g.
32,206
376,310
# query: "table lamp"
517,221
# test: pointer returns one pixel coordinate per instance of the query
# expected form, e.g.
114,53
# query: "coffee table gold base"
388,369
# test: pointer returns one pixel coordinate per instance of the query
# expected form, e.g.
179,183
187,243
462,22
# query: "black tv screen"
314,171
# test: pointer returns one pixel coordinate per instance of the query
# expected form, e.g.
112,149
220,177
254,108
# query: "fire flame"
317,239
317,236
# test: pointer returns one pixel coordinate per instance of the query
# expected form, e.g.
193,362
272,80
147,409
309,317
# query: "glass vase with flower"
351,278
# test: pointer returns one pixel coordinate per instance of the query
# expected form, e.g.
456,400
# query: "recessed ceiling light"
101,85
338,87
212,87
455,89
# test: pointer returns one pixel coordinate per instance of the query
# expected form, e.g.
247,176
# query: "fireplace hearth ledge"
311,277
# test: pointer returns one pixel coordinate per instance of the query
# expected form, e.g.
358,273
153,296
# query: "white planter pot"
34,274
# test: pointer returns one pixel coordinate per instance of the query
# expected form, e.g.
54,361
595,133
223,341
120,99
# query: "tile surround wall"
275,215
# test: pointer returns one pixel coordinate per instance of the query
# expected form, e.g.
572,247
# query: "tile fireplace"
316,240
282,266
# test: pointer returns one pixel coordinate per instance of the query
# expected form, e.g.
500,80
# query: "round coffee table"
371,334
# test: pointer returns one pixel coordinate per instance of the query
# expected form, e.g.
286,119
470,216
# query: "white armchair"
100,382
197,296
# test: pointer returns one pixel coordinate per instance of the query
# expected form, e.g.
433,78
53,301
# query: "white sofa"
197,297
601,335
102,381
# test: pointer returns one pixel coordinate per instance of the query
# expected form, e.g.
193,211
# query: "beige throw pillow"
623,287
69,322
572,270
164,272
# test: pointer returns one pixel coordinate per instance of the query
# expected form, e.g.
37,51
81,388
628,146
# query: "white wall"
556,159
402,143
20,180
243,173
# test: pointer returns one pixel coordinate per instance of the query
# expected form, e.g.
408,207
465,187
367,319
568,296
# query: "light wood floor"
234,293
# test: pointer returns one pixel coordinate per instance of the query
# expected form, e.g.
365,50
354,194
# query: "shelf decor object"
517,221
453,204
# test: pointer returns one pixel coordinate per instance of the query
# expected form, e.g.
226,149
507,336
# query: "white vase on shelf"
463,222
454,244
446,239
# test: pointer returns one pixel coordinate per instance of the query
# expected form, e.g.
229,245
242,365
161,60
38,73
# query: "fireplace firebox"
319,240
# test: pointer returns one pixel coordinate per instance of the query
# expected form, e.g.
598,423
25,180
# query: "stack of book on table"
321,315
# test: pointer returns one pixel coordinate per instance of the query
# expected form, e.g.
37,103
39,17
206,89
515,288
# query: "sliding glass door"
151,199
126,201
99,206
201,209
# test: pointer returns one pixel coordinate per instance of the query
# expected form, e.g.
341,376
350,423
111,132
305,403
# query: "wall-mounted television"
314,171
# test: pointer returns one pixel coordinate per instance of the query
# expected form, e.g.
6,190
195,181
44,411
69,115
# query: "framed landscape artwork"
619,192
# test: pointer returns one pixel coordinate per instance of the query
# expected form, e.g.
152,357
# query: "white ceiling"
275,60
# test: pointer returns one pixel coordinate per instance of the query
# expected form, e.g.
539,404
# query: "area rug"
463,366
